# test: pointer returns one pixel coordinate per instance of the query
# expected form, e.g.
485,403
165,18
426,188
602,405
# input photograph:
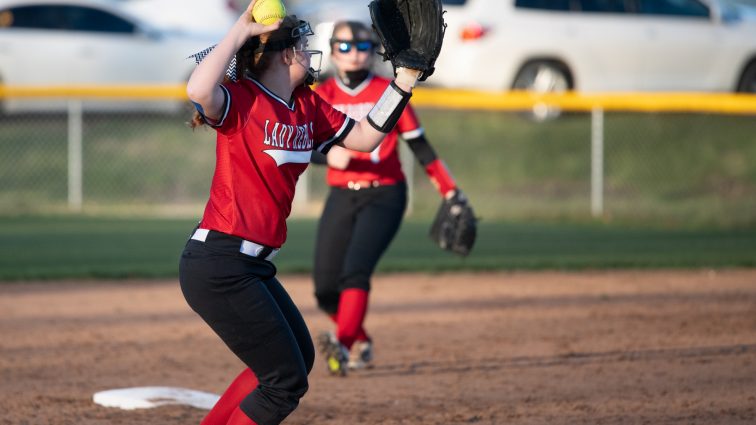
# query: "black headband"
297,33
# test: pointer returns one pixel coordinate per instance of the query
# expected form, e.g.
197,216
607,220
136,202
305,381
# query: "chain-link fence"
114,163
677,168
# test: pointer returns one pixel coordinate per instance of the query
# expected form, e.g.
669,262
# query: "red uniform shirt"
382,164
263,145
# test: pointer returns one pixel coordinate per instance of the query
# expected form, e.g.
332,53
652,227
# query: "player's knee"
328,301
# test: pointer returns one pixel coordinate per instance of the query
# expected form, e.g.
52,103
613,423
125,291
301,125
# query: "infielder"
366,201
268,122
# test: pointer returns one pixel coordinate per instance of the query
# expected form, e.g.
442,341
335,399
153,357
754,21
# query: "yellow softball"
267,12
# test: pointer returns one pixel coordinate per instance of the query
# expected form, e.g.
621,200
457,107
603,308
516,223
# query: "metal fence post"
597,162
75,163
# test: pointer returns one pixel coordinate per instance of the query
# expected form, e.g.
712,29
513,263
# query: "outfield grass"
682,169
83,247
657,167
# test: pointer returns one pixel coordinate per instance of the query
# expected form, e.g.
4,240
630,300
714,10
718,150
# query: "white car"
207,16
89,42
597,45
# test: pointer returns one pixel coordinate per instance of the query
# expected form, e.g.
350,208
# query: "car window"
605,6
689,8
37,17
65,18
95,20
544,4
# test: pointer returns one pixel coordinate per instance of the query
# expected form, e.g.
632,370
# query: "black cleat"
336,355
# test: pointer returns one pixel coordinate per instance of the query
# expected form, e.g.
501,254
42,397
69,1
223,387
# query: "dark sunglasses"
345,46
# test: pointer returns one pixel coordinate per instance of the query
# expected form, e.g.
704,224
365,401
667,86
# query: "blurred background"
587,133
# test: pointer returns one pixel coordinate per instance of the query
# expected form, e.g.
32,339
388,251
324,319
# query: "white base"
147,397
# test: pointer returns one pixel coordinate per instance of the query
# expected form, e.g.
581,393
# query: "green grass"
669,167
683,170
85,247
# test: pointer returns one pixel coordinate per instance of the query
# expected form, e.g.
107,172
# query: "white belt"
247,247
362,184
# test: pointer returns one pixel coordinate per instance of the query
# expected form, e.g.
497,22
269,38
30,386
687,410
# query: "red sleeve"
330,125
408,125
441,177
236,110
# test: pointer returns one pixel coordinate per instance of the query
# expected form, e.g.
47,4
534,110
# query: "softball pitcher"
366,202
268,122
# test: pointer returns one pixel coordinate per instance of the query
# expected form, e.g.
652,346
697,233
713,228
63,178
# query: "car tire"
543,76
747,82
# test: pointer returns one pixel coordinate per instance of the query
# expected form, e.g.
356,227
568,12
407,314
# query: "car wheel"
543,77
748,79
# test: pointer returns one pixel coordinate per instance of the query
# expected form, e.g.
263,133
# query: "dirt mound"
660,347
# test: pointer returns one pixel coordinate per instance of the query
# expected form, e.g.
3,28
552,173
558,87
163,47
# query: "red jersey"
382,164
263,144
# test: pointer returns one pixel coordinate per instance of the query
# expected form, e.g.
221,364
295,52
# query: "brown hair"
255,56
354,27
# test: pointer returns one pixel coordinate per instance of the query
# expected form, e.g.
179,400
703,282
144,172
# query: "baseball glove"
455,225
411,32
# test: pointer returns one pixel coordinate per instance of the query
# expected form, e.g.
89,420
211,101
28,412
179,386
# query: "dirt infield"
631,347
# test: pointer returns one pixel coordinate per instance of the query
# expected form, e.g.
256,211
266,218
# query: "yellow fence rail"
638,102
717,103
142,92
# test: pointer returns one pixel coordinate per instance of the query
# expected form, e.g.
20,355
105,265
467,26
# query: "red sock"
239,418
244,384
361,333
353,304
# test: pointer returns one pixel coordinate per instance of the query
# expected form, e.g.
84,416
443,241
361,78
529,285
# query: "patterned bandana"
230,71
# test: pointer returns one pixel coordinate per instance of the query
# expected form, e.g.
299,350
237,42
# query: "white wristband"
388,109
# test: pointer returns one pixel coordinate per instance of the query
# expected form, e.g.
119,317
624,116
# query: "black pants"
354,231
243,302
